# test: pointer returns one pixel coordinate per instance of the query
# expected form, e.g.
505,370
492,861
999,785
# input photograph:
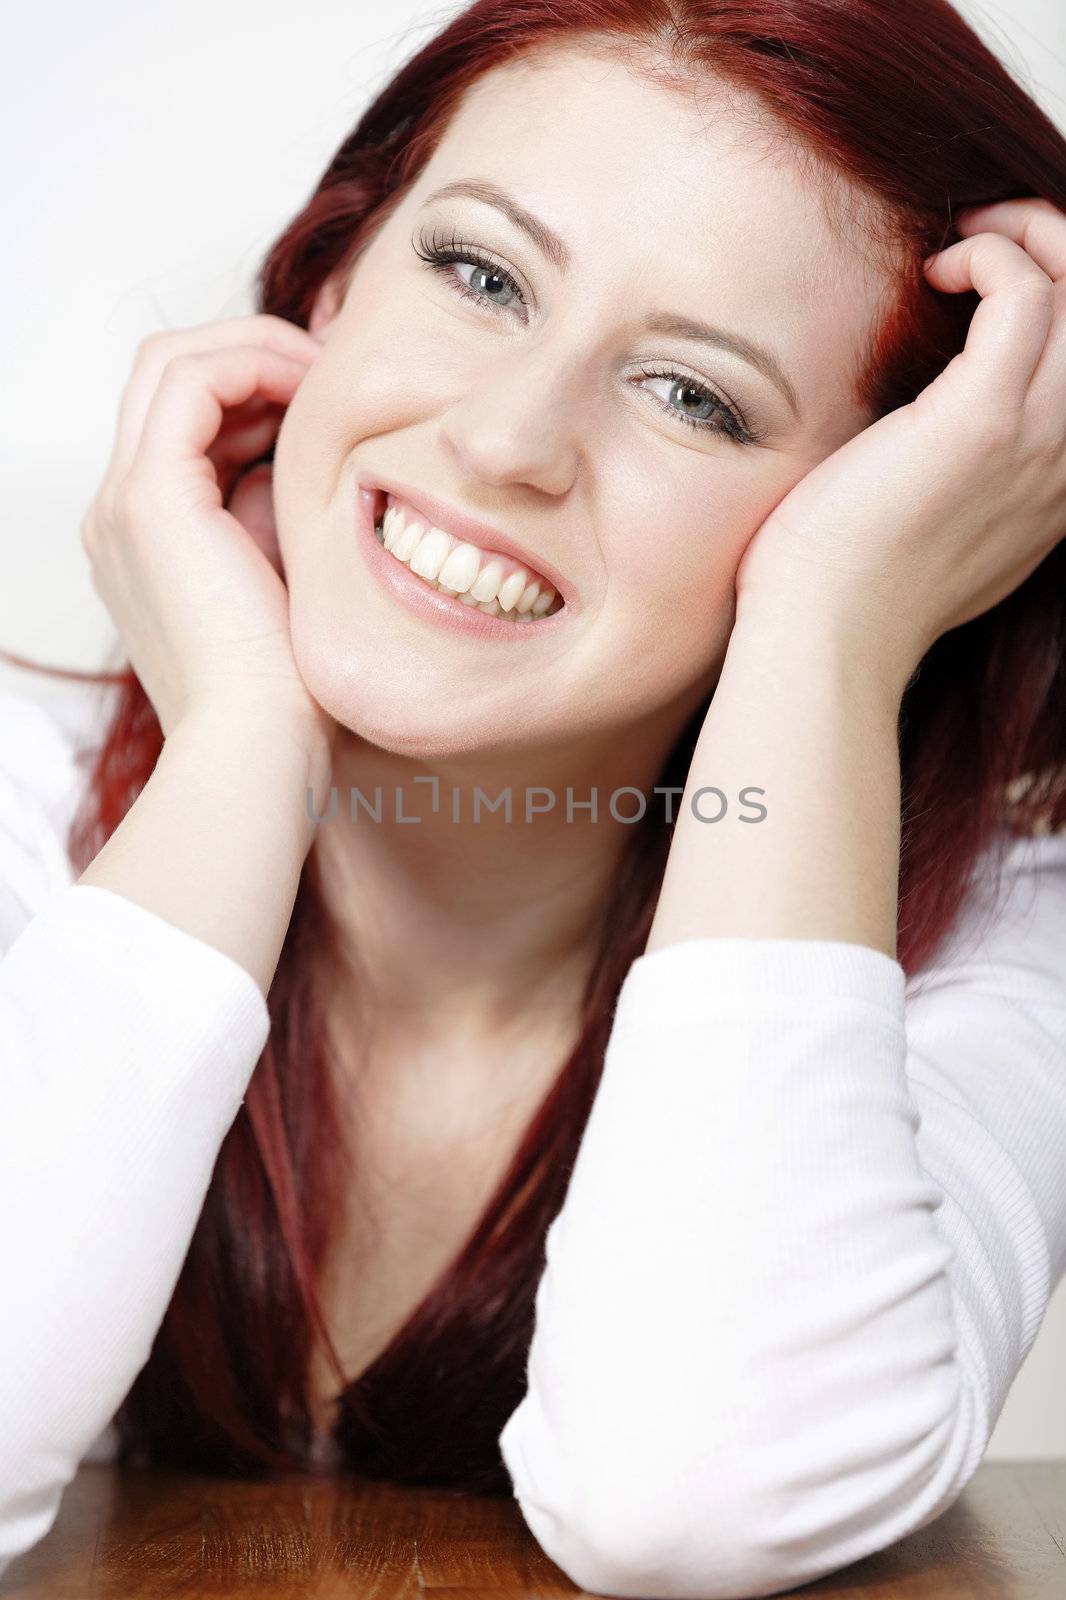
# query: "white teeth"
512,588
461,568
431,554
391,525
407,540
455,569
400,536
488,581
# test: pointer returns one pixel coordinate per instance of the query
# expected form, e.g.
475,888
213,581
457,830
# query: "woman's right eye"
491,283
488,280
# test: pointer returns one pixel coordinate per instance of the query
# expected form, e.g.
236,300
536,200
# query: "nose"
517,421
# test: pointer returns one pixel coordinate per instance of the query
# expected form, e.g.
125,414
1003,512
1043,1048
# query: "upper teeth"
474,576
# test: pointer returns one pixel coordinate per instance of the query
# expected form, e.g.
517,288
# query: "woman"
728,351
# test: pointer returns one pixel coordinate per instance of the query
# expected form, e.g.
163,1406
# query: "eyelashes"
730,421
441,252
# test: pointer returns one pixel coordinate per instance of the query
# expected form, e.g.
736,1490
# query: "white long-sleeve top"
815,1220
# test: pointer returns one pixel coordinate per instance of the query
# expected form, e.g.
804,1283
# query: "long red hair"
901,97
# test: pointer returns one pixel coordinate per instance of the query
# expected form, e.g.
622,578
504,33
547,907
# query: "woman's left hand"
940,509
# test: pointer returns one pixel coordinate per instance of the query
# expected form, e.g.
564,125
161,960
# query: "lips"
433,602
464,529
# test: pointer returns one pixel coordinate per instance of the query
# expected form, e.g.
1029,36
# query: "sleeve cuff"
688,980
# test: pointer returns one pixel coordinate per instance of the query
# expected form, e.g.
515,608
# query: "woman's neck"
469,919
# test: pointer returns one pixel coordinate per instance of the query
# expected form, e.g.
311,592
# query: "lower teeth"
512,615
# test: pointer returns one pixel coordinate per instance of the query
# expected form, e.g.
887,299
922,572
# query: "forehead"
686,194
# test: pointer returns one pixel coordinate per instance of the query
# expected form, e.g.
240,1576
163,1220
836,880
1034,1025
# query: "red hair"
901,101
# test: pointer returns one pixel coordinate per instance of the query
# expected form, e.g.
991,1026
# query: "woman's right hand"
200,605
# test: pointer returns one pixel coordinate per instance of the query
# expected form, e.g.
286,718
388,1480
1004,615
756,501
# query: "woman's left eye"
699,406
490,284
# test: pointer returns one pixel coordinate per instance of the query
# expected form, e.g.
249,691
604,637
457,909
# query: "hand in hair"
942,508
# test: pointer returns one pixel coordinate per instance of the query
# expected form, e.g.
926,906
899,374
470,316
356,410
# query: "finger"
158,348
1035,224
186,411
1008,330
232,453
1040,229
154,352
239,443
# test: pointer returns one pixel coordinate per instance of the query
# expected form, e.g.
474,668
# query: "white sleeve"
126,1046
809,1238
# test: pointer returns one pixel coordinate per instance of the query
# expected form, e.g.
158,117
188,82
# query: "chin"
386,704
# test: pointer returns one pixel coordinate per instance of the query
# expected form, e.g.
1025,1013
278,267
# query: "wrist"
805,637
289,744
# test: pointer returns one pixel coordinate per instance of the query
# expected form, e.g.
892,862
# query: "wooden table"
136,1533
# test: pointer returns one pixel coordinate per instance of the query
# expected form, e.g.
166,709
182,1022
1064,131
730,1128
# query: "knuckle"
179,366
133,498
154,344
1037,284
270,322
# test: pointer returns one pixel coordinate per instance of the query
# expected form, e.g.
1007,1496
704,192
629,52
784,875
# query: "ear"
328,302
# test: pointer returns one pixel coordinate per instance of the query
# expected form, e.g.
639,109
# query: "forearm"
804,714
216,840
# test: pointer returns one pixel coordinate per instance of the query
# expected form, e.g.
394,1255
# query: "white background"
149,155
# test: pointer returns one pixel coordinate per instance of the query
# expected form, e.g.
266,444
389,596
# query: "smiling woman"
555,375
625,443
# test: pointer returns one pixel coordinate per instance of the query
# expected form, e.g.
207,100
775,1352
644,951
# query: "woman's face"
550,390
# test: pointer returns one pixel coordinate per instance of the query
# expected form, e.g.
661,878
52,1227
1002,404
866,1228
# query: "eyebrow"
558,253
547,241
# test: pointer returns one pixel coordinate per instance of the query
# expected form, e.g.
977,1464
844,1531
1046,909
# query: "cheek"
678,547
359,388
399,353
672,550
